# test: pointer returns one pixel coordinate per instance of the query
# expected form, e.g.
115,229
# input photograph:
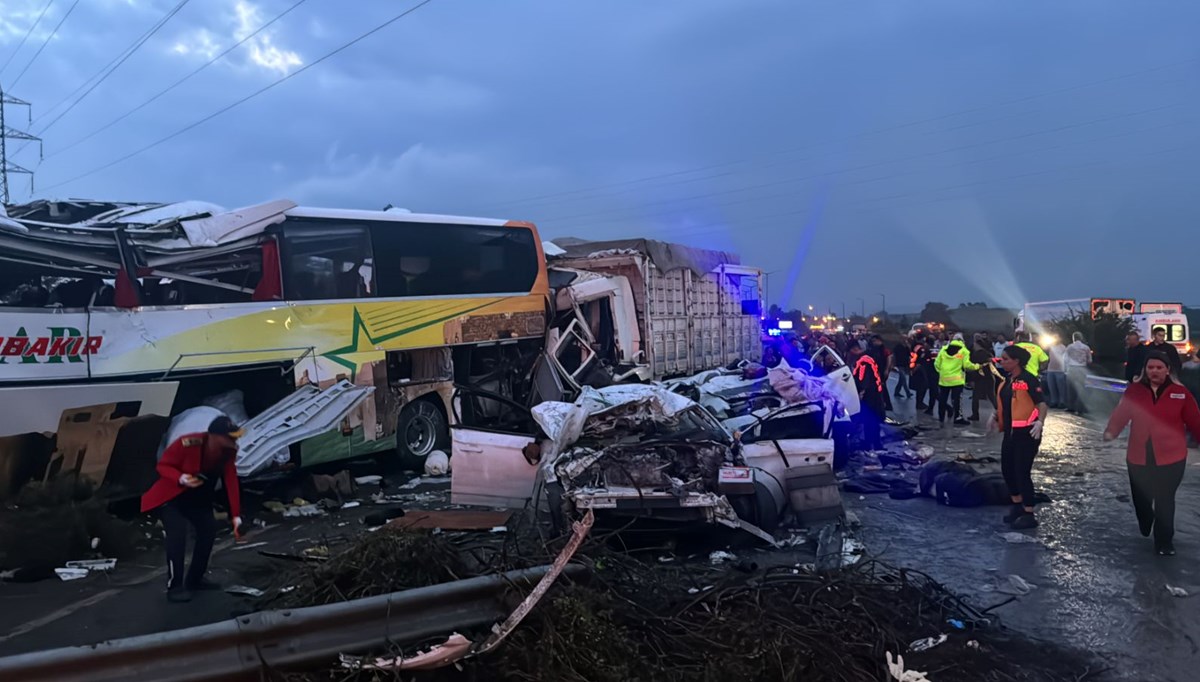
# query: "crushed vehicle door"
494,448
840,378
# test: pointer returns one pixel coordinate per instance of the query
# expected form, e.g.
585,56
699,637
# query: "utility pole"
6,134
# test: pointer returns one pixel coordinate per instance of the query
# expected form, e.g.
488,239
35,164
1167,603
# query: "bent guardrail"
242,647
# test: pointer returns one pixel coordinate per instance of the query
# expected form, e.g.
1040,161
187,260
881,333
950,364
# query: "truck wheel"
420,429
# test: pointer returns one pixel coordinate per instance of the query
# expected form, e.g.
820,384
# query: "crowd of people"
1023,382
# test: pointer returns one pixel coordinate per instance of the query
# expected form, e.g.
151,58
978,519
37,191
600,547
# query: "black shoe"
974,417
961,422
1013,514
179,596
921,406
203,585
928,413
1165,549
1025,521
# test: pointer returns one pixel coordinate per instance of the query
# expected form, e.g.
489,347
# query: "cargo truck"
652,310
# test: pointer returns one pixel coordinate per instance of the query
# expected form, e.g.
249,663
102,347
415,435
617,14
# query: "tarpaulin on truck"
665,256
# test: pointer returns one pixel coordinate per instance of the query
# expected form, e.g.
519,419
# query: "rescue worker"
1020,415
952,364
1038,360
184,494
1160,412
871,394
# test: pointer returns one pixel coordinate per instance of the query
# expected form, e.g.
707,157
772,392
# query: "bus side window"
421,259
328,265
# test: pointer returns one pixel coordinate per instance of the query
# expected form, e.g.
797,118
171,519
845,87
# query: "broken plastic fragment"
66,574
243,589
100,565
927,643
1177,591
1019,538
1017,586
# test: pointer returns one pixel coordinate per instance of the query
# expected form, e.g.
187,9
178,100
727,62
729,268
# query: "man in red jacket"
184,494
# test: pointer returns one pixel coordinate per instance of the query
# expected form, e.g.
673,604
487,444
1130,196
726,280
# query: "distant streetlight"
883,298
863,308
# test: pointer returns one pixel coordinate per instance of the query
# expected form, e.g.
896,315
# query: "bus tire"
420,429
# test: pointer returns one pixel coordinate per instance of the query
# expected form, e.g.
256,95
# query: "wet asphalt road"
1099,585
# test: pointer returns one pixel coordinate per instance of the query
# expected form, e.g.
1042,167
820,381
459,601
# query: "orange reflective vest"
867,363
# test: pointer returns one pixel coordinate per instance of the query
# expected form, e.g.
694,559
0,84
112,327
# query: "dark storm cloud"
936,150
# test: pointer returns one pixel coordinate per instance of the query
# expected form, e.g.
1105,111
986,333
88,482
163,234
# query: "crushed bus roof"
178,226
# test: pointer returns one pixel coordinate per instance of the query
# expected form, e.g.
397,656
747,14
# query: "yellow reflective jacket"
953,363
1037,357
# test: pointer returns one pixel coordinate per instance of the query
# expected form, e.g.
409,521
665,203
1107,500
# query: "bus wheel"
420,430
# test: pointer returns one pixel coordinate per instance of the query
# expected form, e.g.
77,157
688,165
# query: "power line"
245,99
45,43
704,229
104,69
25,37
690,230
878,131
911,157
129,53
634,185
176,84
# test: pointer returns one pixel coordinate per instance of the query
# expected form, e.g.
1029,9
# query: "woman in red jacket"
1161,411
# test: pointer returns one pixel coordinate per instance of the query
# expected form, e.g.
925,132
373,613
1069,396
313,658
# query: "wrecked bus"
116,316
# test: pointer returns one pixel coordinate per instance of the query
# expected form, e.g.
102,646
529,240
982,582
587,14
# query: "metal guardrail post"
240,648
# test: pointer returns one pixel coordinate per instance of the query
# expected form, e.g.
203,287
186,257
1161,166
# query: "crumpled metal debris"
1177,591
720,557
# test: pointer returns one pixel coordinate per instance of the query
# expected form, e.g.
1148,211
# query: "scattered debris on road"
927,643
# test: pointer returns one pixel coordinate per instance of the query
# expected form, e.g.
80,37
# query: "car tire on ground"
420,429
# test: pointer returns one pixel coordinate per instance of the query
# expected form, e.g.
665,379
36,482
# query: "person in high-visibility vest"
1020,415
952,364
871,393
1037,357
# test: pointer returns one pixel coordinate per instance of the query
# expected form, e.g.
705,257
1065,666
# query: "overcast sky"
927,150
